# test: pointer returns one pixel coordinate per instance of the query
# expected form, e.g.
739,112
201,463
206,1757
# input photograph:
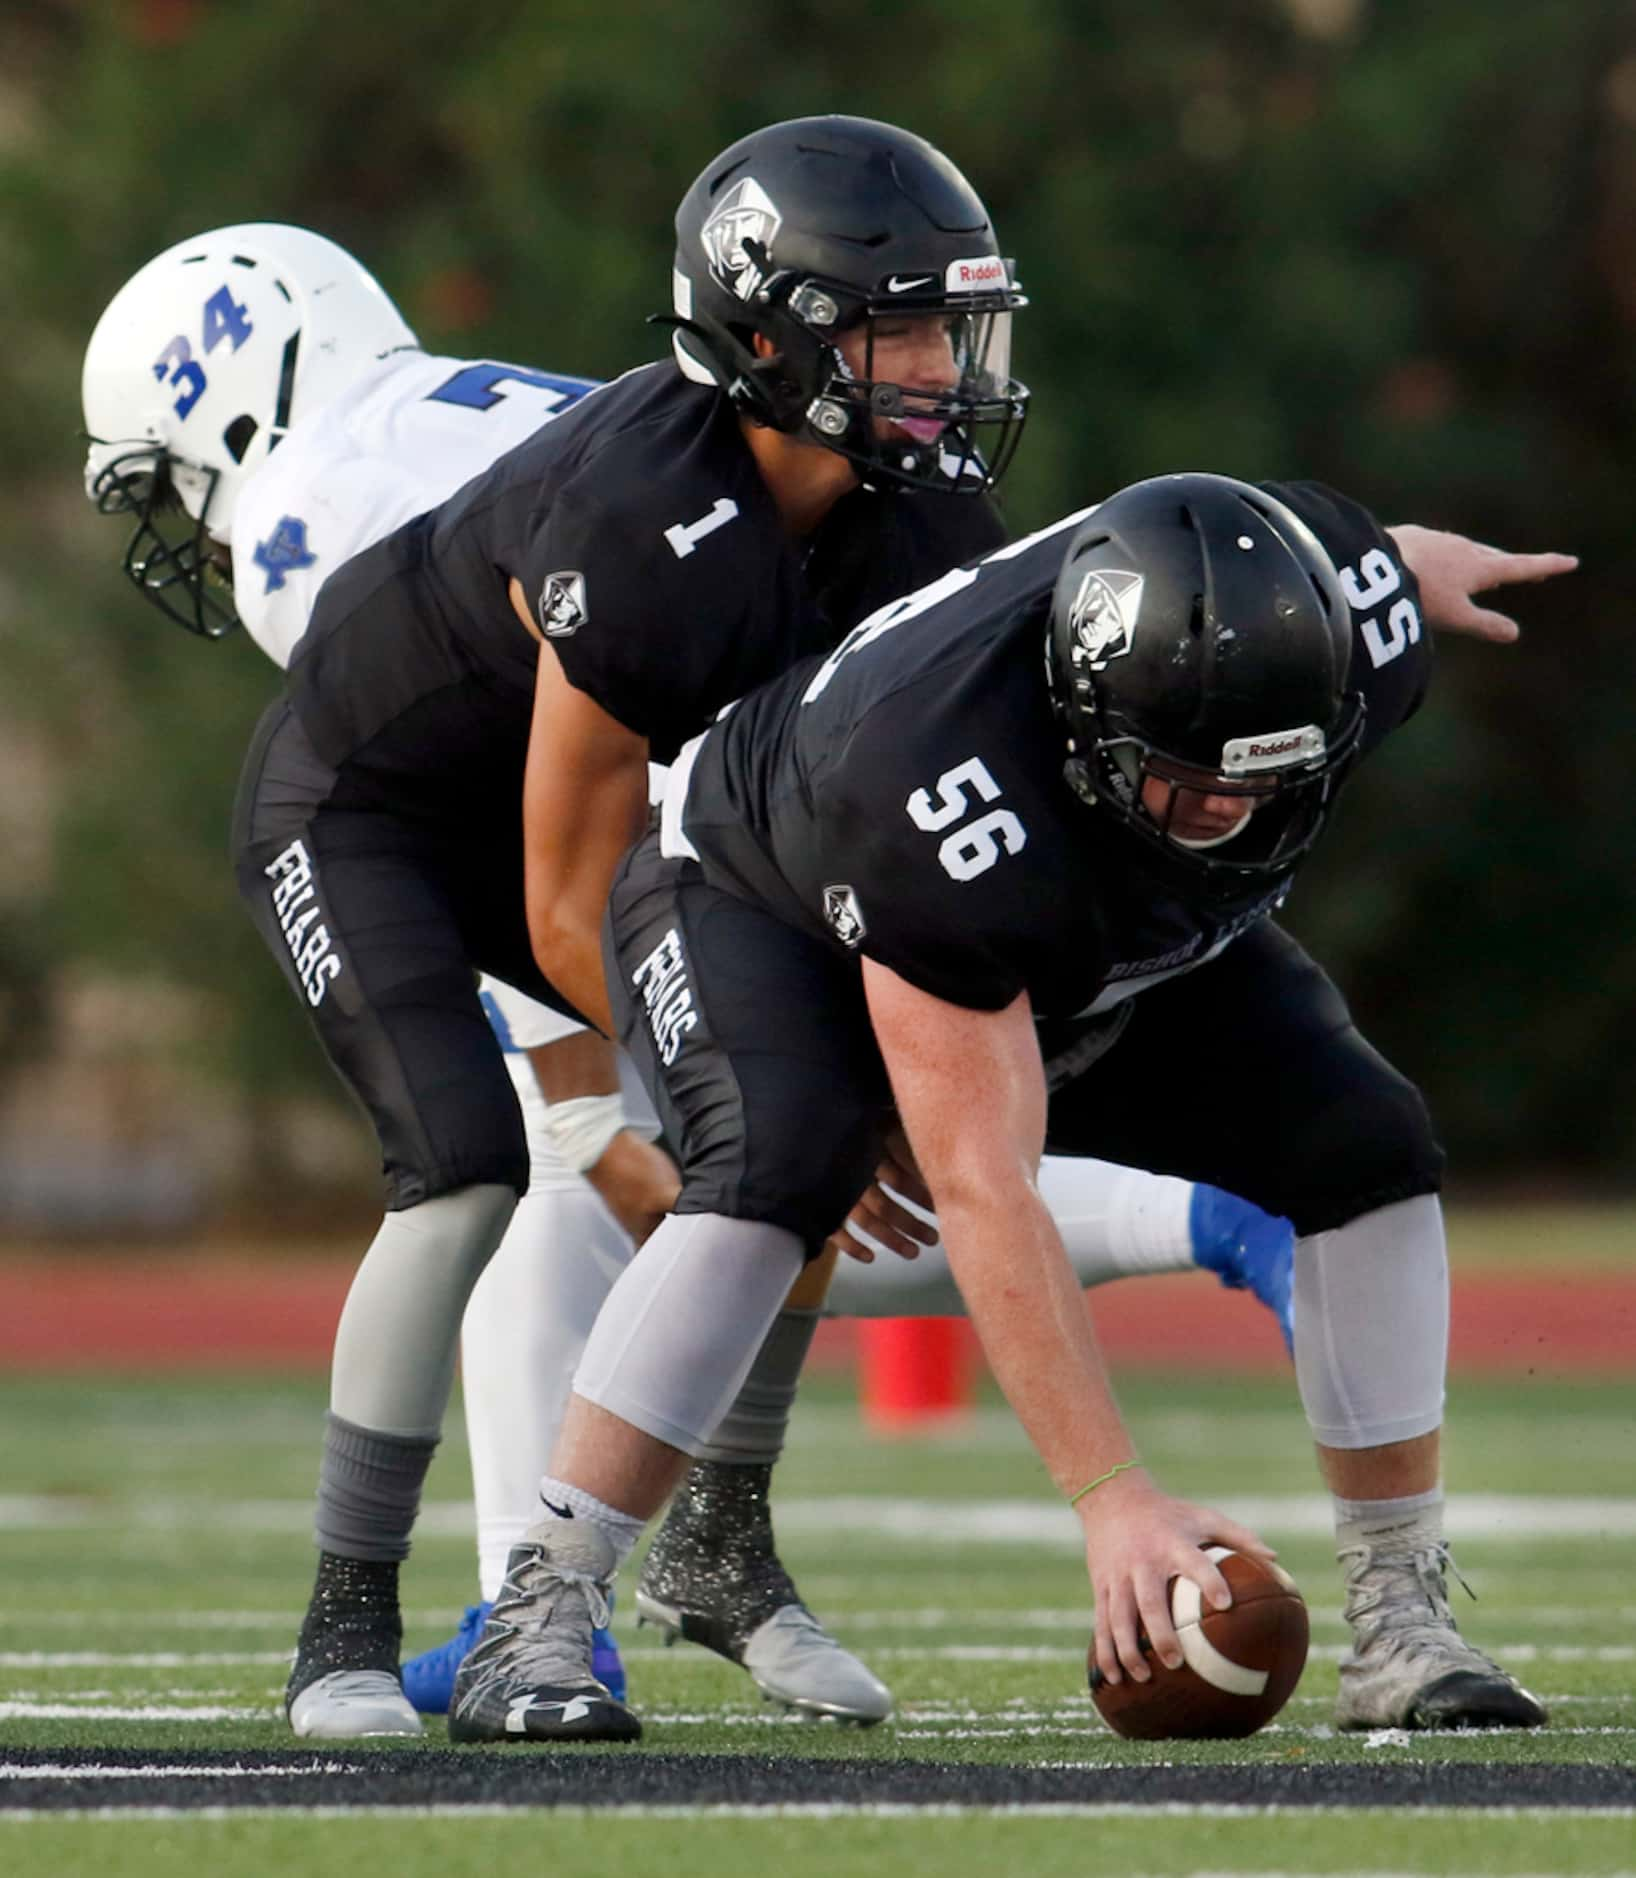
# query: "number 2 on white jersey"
973,849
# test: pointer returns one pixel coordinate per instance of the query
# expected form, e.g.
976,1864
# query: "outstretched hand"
1453,569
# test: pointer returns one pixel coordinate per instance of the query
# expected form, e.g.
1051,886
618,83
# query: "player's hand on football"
638,1182
1137,1539
881,1221
1452,569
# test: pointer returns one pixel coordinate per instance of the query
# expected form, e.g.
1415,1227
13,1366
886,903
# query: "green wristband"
1091,1485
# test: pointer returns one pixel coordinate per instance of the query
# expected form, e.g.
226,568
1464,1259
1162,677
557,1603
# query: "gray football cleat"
348,1704
1409,1667
713,1577
528,1677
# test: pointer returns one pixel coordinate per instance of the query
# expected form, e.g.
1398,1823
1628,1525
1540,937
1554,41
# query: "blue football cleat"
428,1679
1247,1250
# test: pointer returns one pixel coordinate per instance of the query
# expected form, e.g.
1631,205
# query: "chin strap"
758,387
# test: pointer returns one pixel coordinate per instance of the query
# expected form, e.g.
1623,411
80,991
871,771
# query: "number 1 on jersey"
684,537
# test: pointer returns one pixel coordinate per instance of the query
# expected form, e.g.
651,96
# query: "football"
1240,1666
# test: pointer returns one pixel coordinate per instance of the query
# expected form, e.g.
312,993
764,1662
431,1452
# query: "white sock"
1408,1524
620,1531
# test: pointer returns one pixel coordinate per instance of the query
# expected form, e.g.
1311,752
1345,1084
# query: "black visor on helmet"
170,558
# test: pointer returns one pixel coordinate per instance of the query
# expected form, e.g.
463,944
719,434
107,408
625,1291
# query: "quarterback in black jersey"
461,754
1073,783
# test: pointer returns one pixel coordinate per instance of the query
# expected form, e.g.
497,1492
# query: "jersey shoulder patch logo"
283,552
1103,617
562,605
844,915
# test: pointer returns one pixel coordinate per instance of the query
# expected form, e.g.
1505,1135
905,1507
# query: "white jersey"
400,440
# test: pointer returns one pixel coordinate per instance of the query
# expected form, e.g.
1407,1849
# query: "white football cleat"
792,1659
1409,1667
350,1704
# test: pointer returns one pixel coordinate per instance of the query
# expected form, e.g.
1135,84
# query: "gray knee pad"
1371,1326
395,1346
674,1342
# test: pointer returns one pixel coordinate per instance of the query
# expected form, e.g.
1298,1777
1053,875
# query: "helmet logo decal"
745,213
1103,617
983,273
842,912
906,283
562,605
1278,749
283,552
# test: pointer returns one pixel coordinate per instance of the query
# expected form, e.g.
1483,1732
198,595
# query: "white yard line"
924,1522
1542,1815
916,1721
83,1711
142,1659
898,1653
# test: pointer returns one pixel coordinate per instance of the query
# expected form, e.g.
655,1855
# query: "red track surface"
136,1312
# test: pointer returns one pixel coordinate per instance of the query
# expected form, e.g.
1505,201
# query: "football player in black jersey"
1063,791
489,683
459,758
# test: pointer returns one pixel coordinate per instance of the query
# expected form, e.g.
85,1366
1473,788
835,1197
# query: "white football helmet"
200,364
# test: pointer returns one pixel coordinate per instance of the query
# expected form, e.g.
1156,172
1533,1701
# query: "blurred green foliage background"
1388,245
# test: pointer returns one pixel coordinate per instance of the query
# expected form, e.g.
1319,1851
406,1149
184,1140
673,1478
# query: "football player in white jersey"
321,426
262,410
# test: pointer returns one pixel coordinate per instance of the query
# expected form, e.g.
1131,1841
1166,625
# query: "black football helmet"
1199,638
823,226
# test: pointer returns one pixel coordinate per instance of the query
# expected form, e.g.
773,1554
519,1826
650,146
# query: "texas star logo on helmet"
562,605
745,213
1103,616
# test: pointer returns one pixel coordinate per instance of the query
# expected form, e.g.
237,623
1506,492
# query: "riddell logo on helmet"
981,271
1278,749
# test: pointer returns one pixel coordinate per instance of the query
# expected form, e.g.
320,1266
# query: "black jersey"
657,564
904,796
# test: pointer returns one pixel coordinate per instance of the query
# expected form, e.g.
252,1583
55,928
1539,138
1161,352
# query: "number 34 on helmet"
198,366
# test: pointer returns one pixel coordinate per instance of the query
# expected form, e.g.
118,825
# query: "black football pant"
381,924
754,1039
